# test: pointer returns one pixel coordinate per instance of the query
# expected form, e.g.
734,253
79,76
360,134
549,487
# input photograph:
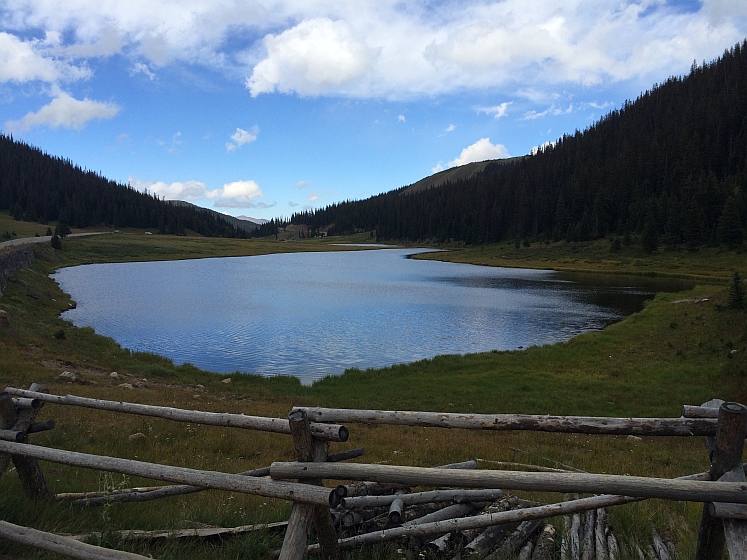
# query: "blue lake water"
315,314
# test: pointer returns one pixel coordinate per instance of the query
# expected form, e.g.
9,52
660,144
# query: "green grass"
667,355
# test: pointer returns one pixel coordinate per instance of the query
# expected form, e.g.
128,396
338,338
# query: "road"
44,238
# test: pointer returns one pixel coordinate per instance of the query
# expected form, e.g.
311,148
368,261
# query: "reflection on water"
316,314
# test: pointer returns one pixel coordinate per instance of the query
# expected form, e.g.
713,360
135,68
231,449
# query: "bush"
56,243
60,334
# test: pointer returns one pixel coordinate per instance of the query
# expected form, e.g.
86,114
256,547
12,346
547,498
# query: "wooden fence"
379,507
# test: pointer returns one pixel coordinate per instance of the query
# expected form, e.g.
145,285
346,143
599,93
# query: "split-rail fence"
332,512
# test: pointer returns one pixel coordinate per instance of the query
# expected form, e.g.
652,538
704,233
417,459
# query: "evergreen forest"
35,186
670,166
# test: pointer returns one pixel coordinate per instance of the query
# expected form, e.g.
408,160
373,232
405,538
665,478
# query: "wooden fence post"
725,452
308,449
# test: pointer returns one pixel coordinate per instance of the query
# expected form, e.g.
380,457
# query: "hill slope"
35,186
672,164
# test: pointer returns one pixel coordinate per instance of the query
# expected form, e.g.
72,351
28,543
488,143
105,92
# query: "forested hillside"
672,165
37,187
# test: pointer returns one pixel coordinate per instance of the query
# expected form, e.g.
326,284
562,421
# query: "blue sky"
264,108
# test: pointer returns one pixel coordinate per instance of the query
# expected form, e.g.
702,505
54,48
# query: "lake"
315,314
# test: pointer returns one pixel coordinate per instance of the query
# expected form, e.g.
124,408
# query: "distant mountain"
242,223
672,166
37,187
258,221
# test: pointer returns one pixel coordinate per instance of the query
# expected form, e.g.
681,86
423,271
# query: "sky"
266,108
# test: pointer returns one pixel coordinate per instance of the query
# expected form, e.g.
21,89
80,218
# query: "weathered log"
633,486
735,530
103,493
486,540
576,535
469,465
526,552
661,550
138,535
308,449
545,547
515,540
725,452
540,423
28,469
346,455
587,542
565,539
154,493
395,509
689,411
432,496
43,426
728,511
13,435
25,403
613,549
329,432
600,536
61,545
209,479
449,512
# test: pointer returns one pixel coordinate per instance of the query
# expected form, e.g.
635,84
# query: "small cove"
316,314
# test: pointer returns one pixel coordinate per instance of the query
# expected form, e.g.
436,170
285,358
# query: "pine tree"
736,292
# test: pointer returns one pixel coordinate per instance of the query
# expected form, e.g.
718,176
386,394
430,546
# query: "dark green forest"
671,166
37,187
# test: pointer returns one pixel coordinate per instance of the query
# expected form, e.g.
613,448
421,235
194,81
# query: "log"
395,509
588,540
727,511
613,549
308,448
725,452
576,535
486,540
25,403
346,455
44,426
61,545
103,493
515,540
540,423
138,535
633,486
735,530
699,411
449,512
329,432
13,435
415,498
545,547
600,536
478,521
661,550
207,479
28,469
526,552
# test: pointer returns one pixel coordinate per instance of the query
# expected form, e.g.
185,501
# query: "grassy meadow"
682,348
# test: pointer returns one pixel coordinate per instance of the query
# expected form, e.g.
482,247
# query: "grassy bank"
679,349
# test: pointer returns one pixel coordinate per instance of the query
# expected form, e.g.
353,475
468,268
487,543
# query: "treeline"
672,164
37,187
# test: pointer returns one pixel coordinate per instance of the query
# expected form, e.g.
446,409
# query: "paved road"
42,239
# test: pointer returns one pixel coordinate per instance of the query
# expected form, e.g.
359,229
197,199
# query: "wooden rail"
328,432
565,424
634,486
293,491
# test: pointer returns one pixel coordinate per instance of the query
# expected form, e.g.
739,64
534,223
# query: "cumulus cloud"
241,137
480,151
438,167
64,111
239,194
187,190
21,61
497,111
315,57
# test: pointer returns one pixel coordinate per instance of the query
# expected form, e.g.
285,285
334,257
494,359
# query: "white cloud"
293,204
438,167
238,203
317,56
497,111
313,197
64,111
400,118
551,110
302,185
241,137
480,151
187,190
140,68
241,191
21,61
541,148
450,128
